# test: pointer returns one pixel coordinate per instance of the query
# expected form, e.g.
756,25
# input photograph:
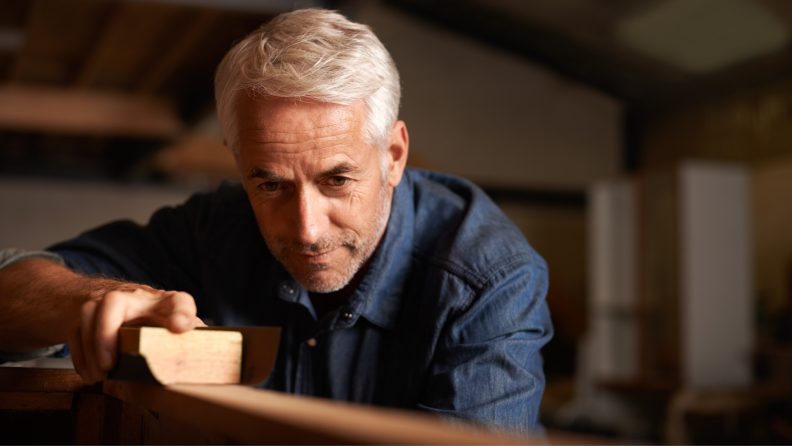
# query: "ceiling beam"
86,112
103,46
536,42
179,52
35,11
747,76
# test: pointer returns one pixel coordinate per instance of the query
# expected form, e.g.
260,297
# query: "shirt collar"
378,297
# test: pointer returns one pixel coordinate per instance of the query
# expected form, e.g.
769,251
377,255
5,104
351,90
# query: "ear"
397,153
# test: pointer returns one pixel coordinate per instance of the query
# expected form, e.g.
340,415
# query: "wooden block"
259,350
194,357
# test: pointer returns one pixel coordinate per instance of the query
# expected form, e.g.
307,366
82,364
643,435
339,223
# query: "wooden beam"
103,45
534,41
718,86
35,11
242,415
86,112
177,54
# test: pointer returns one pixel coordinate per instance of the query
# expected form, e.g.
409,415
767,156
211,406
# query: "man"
392,286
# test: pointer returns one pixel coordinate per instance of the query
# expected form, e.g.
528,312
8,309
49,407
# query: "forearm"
39,300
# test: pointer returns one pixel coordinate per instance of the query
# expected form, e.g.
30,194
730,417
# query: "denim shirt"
449,317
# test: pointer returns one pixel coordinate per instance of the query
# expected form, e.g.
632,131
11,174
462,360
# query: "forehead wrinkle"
273,127
275,124
324,143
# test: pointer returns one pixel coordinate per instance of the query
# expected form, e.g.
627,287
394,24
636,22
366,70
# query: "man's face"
315,185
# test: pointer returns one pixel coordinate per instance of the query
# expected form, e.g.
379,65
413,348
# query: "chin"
317,284
316,280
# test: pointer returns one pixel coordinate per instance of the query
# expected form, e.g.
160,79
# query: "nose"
311,221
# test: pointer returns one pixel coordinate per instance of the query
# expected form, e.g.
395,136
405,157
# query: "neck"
324,303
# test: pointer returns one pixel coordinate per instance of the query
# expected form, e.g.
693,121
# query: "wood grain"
36,401
241,415
197,356
259,350
88,418
20,379
86,112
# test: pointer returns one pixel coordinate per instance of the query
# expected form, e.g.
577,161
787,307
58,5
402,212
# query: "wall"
38,213
754,128
492,116
772,222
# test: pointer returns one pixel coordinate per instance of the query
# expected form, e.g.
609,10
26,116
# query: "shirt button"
287,289
311,342
347,316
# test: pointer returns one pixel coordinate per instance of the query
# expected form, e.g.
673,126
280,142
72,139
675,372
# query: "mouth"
317,257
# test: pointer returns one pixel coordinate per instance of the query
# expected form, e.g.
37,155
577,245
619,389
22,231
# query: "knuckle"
88,309
113,297
184,299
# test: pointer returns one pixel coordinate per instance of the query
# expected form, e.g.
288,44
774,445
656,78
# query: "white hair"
317,54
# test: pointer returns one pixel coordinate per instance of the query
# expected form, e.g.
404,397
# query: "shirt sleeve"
488,367
13,255
161,254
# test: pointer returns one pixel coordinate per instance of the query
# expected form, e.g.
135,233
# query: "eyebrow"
339,169
264,174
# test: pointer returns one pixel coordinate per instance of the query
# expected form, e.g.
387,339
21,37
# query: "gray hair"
311,53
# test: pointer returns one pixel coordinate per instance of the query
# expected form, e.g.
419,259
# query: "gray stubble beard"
360,251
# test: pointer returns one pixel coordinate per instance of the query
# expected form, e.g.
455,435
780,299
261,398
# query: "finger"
91,368
75,348
181,310
110,315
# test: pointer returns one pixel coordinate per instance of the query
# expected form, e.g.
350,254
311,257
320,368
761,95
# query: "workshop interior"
644,148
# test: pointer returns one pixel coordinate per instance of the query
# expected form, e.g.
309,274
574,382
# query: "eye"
338,181
271,186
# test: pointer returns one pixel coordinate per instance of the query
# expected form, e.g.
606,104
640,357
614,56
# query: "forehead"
287,124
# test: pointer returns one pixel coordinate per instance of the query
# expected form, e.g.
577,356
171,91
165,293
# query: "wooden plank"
88,418
123,423
35,401
19,379
242,415
197,356
87,112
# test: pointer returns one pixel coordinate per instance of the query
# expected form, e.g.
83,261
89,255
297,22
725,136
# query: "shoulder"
225,209
227,198
460,229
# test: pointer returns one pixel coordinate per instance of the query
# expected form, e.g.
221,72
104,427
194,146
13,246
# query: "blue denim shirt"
449,317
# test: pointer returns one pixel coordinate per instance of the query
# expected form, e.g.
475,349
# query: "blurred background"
643,146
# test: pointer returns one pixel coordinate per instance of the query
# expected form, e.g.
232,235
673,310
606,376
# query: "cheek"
268,223
356,208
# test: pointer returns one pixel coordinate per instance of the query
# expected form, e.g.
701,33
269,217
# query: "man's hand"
43,304
93,337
